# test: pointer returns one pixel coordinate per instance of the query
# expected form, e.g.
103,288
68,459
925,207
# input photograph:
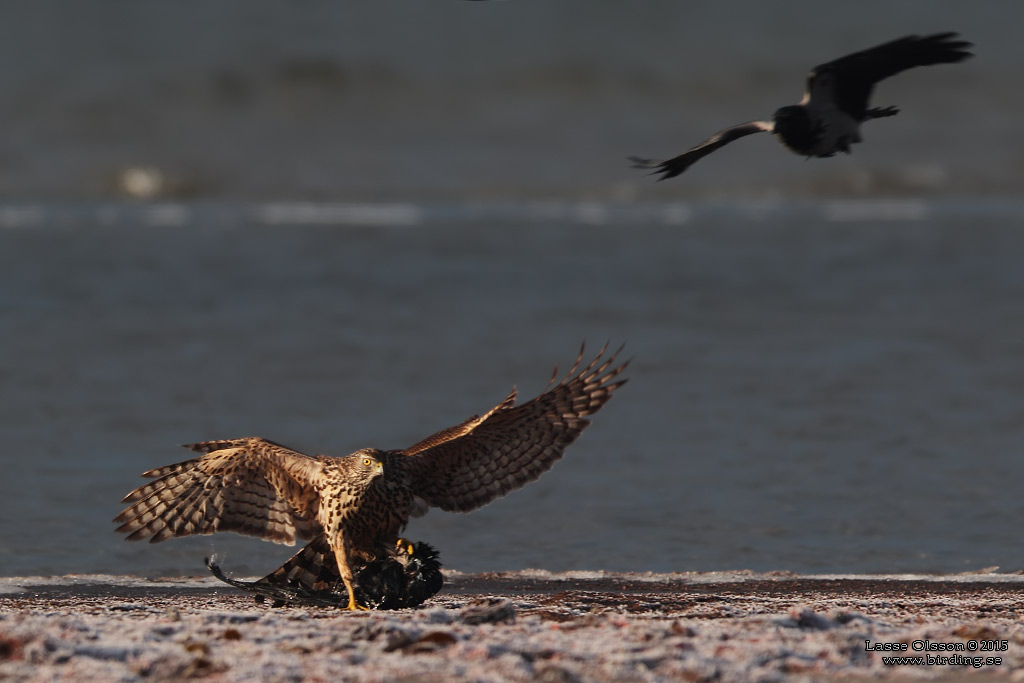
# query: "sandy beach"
524,626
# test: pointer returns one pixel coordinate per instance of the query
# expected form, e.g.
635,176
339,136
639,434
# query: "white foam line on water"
167,215
22,216
310,213
21,584
862,210
677,214
592,213
741,576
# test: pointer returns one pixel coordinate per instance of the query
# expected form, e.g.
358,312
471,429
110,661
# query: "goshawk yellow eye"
367,462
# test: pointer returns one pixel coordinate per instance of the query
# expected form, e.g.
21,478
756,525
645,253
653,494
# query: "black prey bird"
835,103
406,576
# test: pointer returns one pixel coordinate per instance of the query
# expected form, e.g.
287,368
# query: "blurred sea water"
827,386
340,226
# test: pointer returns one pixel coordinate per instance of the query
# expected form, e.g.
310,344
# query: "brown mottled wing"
466,467
460,429
250,486
314,567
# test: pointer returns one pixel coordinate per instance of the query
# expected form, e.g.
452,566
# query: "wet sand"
522,626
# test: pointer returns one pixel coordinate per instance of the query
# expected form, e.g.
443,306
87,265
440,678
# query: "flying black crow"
835,103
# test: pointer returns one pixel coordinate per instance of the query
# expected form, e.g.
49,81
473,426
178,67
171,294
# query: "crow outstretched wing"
850,80
676,165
